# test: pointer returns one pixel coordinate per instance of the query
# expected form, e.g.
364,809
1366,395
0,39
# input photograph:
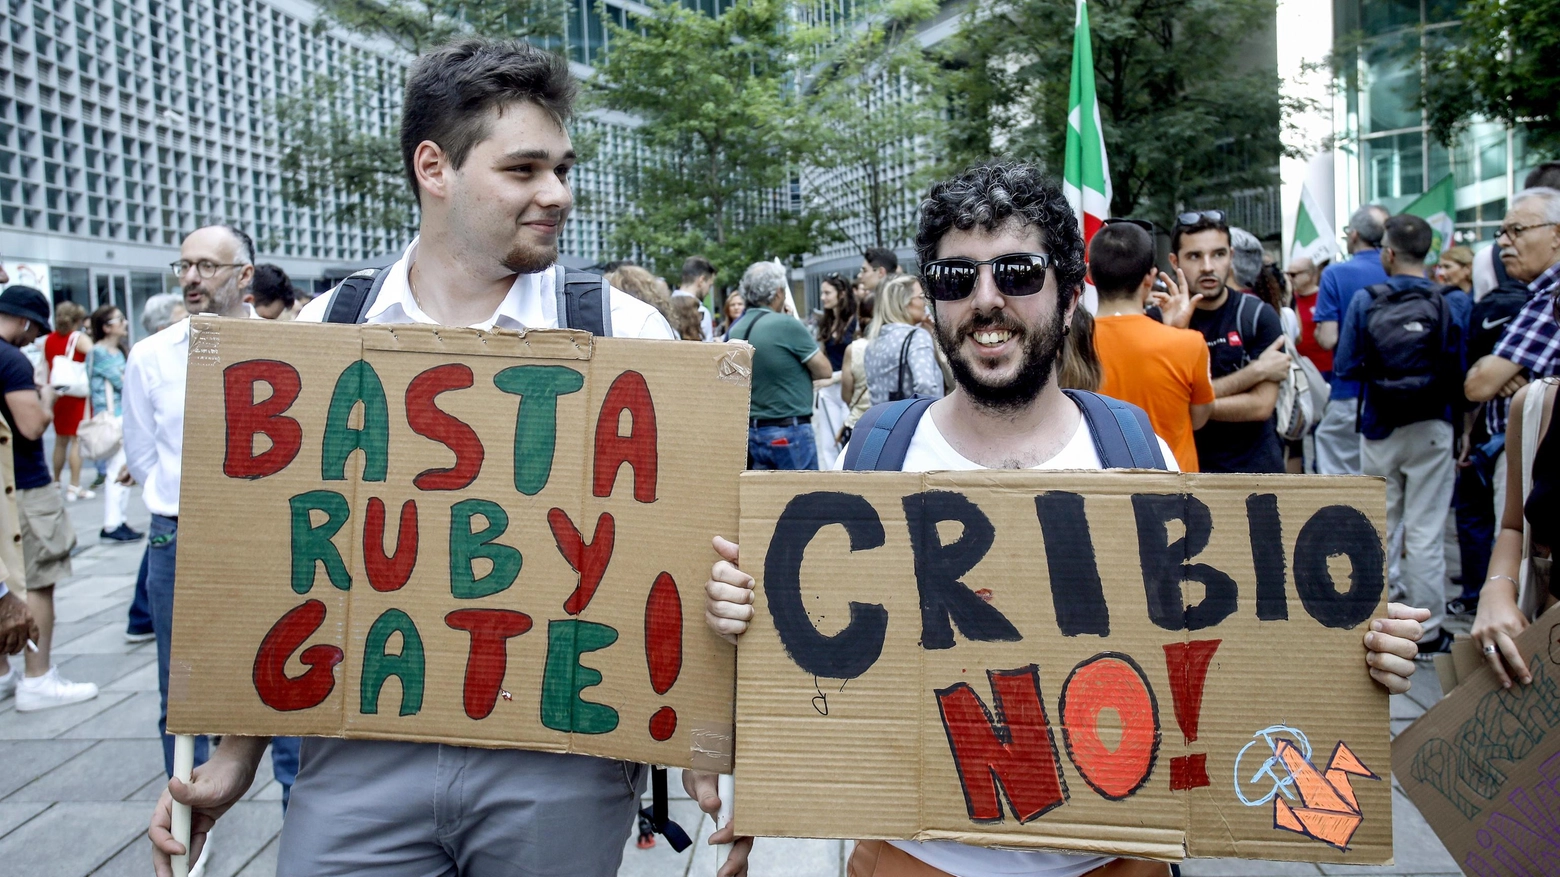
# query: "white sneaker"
8,684
49,690
198,869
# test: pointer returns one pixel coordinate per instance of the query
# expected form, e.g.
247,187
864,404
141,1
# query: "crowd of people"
1433,375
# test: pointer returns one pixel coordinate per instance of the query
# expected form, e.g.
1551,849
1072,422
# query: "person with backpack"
1002,258
1404,342
488,157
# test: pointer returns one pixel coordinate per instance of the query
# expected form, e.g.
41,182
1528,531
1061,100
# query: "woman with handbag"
901,360
1519,586
105,430
65,352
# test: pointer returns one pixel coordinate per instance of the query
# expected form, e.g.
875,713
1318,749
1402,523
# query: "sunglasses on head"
1193,217
1014,273
1140,223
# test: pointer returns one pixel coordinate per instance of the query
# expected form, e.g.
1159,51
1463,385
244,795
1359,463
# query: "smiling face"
1002,349
828,296
506,204
1205,257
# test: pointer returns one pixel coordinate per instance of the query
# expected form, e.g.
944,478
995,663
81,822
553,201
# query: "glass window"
70,284
1393,84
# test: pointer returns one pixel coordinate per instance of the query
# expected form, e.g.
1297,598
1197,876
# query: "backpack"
584,299
1408,343
1122,434
1302,394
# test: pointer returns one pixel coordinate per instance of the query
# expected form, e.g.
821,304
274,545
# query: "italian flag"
1086,173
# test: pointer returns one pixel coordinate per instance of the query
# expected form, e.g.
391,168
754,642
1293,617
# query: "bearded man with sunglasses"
1002,261
1240,434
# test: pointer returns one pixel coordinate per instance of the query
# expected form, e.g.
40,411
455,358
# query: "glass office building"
1384,152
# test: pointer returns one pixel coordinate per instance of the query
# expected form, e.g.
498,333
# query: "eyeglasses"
1015,274
1140,223
205,267
1513,232
1192,217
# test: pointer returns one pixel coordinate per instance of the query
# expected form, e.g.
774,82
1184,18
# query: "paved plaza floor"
78,782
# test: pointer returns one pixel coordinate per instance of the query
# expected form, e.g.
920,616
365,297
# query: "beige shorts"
47,535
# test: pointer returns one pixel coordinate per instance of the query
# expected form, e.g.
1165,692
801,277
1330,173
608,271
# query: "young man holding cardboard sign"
1004,259
488,157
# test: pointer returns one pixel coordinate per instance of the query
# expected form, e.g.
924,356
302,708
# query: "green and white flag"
1086,173
1439,208
1314,234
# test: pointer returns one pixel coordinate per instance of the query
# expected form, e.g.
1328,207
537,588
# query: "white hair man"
786,360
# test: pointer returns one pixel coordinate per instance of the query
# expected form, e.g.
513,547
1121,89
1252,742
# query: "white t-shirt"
929,451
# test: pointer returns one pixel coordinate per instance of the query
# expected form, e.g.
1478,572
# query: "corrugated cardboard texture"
832,743
548,674
1483,765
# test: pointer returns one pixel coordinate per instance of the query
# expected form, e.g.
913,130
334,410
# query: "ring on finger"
1489,649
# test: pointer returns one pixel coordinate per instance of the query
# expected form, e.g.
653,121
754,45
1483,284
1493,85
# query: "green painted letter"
311,544
408,666
358,383
565,677
466,545
536,423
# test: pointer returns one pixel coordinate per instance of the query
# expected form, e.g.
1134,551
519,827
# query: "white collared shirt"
153,411
532,303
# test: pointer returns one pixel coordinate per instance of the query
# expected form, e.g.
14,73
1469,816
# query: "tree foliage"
1501,65
1185,123
871,90
722,132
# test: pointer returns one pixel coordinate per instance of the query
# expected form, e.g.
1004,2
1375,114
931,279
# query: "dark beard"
1040,352
529,260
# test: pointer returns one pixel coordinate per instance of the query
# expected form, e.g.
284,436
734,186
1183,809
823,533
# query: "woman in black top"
837,323
1537,515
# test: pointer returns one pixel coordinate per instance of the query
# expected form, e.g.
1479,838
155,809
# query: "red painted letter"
276,689
428,420
627,393
490,631
388,572
1016,747
1110,681
247,418
590,561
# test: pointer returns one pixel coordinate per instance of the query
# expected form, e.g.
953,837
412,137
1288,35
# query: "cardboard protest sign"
1153,665
1483,765
486,538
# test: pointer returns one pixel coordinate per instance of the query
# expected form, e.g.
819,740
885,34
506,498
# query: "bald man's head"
1303,275
217,264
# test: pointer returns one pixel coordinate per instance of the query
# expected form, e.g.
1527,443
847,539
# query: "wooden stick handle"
183,764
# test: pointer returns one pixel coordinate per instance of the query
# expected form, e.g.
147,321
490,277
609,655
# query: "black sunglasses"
1014,273
1140,223
1193,217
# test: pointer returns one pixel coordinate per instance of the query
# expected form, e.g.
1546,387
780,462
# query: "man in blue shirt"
1408,352
1337,441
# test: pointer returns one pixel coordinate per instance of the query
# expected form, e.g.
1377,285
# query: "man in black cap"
16,621
47,534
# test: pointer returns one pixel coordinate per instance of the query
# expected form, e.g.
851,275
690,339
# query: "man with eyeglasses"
1246,353
1337,440
1002,259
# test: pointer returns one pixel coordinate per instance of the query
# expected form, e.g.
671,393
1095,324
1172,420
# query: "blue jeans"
141,606
162,552
284,765
782,447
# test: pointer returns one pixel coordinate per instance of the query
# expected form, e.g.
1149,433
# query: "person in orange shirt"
1158,368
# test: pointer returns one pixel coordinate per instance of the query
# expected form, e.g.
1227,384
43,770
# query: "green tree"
339,148
871,89
1499,64
722,132
1185,123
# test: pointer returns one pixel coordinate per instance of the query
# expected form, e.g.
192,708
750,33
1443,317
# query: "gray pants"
1417,462
391,809
1337,443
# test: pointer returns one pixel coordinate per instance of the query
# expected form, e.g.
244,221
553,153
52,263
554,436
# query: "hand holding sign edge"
728,603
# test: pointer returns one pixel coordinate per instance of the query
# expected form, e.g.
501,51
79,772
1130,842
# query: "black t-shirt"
1237,332
16,373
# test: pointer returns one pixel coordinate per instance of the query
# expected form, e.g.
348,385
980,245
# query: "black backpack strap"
354,295
584,301
1122,433
747,328
882,435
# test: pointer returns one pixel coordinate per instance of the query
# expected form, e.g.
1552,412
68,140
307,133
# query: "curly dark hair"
992,194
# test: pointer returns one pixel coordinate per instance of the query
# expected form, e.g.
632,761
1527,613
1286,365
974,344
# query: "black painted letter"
1267,556
852,651
1334,530
1165,564
938,568
1076,591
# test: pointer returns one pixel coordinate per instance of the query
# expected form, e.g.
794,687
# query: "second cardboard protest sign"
1155,665
495,539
